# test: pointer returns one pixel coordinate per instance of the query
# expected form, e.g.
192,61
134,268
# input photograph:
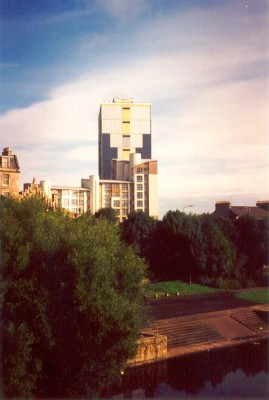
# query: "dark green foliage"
137,231
204,249
71,301
107,213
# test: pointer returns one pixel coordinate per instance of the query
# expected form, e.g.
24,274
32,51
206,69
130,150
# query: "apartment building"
124,142
75,200
124,128
9,173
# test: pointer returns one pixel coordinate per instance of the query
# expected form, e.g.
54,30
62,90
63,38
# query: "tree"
71,301
137,231
107,213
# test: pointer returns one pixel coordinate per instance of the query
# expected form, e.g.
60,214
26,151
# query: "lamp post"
191,205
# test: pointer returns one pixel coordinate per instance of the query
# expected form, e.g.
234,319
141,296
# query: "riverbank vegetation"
71,301
217,252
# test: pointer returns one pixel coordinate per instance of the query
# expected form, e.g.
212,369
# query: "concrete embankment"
198,323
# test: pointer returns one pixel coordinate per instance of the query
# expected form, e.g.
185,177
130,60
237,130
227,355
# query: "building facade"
9,173
128,176
124,128
75,200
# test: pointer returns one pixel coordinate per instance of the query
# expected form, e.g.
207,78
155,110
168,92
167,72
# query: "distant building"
133,189
75,200
124,127
9,173
225,209
128,176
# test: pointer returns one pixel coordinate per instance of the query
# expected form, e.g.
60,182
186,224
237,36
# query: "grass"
255,296
172,287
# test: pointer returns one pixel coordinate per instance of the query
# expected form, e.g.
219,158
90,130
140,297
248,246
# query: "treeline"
204,249
71,302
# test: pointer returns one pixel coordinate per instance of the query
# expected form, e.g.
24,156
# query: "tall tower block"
124,127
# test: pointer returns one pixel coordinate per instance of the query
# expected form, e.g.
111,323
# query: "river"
233,372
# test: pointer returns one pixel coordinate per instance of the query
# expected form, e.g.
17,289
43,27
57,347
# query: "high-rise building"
9,173
128,177
124,128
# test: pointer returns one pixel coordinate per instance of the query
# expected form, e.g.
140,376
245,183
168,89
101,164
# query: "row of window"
116,203
140,170
117,194
74,202
124,186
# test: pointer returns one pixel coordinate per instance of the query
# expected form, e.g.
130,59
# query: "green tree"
71,301
108,213
137,231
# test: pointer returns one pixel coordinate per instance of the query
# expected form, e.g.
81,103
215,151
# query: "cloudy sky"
203,64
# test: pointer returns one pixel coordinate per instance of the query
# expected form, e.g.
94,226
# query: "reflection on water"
233,372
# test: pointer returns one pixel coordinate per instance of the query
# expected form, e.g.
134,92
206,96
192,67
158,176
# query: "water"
234,372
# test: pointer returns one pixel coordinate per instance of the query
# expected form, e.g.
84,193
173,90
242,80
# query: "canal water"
234,372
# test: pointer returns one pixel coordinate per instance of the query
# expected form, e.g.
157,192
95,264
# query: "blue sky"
202,64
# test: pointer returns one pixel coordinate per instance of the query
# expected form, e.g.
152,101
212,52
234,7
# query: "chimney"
222,208
7,151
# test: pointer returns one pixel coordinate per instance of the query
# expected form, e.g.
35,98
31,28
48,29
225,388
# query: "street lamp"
191,205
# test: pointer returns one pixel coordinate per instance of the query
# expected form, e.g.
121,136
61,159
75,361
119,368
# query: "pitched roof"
255,212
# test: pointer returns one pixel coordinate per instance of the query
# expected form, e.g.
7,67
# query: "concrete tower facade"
124,128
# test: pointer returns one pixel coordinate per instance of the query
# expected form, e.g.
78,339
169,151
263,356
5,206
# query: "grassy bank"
173,287
255,296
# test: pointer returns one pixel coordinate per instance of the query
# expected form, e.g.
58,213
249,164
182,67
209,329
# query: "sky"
202,64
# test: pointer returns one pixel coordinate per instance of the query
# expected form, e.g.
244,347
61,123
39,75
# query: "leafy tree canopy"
71,301
107,213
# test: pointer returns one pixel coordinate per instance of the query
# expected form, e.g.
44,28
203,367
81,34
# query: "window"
139,179
140,195
126,113
124,211
74,202
126,154
117,211
139,170
81,202
4,162
126,141
124,186
124,203
6,179
126,127
139,203
124,195
116,203
65,192
65,202
115,185
139,186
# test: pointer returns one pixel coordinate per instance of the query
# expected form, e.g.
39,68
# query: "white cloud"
210,122
124,10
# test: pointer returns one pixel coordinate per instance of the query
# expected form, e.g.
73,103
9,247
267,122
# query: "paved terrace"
200,322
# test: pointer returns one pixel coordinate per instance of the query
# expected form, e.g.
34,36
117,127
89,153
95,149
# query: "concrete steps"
251,320
183,334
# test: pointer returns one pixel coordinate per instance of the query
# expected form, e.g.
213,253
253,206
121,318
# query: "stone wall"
150,349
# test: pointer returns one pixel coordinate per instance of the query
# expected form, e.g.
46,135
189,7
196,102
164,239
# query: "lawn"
173,287
255,296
